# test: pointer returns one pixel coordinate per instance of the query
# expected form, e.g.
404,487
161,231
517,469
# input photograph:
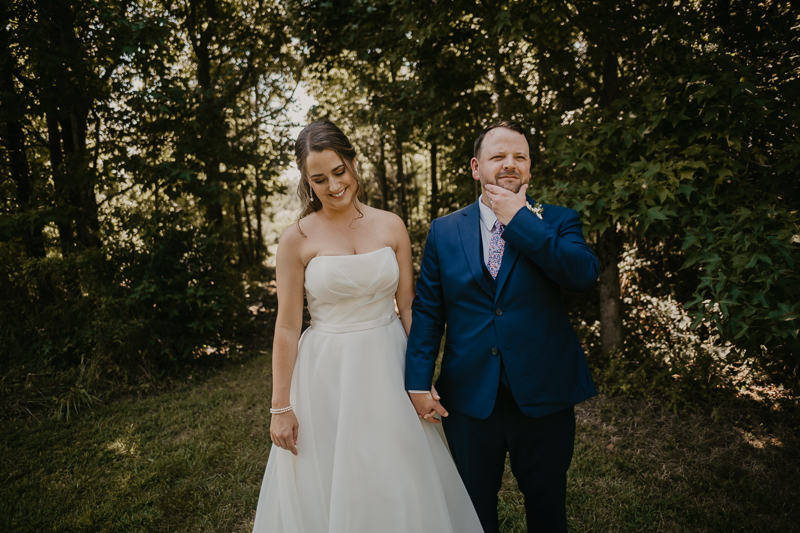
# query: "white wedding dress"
366,463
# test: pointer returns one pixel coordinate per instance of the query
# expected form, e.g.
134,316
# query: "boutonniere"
537,209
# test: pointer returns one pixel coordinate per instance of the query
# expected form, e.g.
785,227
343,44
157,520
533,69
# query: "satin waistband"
358,326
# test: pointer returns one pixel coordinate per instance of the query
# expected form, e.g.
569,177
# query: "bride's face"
330,180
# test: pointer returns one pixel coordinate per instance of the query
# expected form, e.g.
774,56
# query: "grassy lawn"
192,460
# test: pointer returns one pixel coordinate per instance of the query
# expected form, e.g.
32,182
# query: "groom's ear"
474,164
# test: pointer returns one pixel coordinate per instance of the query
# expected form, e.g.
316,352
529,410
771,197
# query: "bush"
77,326
664,358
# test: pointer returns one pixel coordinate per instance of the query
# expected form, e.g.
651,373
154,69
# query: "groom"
513,368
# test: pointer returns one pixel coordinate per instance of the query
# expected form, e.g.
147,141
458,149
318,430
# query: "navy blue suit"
515,327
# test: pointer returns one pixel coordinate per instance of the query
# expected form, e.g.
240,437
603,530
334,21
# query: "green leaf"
692,303
654,213
743,213
764,258
652,169
692,259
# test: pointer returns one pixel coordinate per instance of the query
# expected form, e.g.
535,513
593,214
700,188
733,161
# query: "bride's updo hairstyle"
317,137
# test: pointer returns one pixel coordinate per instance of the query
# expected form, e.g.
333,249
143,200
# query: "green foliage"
140,142
663,359
698,156
669,121
117,315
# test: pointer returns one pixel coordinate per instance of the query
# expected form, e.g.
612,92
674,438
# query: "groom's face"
504,160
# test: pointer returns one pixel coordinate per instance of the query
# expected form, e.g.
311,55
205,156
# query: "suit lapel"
469,231
510,255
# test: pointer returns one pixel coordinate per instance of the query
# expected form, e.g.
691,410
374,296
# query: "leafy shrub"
709,157
88,322
664,358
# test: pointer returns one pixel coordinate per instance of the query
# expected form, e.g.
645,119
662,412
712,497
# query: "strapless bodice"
352,292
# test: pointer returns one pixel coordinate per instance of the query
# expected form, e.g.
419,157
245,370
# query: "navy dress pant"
540,450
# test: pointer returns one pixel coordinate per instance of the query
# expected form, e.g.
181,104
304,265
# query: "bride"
349,452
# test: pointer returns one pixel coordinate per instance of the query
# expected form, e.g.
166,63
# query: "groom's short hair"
507,124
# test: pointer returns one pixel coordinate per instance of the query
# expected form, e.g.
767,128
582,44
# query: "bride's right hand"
283,430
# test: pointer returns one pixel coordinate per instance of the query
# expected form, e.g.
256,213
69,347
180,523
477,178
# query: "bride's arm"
290,274
404,296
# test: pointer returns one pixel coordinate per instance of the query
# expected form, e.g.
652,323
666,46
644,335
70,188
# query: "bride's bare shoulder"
388,223
295,236
301,229
382,217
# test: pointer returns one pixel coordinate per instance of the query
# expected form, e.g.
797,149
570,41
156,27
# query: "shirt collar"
487,215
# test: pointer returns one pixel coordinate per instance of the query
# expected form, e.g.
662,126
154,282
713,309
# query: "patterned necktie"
496,247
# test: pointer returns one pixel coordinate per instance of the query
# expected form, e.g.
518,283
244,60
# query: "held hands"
505,203
427,405
283,430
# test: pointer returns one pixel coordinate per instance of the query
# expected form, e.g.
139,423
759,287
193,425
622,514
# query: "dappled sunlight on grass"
187,460
689,472
193,459
122,446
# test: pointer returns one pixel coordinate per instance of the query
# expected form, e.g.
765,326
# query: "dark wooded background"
142,141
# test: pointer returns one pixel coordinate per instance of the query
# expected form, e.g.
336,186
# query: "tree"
703,144
139,140
645,117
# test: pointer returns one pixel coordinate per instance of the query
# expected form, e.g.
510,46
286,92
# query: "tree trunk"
15,145
538,138
382,181
609,243
244,262
499,86
609,248
66,236
81,194
202,22
610,79
259,228
401,179
250,240
70,111
434,185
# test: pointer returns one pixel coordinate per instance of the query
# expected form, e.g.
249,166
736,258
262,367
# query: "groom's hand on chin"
505,203
427,405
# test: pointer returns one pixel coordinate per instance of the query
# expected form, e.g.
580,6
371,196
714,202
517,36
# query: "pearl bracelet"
281,410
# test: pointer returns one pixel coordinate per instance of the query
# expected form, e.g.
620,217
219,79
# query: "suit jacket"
520,318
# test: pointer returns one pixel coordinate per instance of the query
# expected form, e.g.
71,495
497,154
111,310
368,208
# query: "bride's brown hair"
316,137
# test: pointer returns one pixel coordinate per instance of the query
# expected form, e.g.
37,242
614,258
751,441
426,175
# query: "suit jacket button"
498,312
495,351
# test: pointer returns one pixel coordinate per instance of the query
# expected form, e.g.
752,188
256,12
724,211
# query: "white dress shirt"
488,219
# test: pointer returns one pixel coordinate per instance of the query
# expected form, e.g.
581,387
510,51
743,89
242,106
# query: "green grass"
186,460
192,460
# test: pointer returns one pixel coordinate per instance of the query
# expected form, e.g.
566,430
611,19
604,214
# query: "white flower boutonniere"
537,209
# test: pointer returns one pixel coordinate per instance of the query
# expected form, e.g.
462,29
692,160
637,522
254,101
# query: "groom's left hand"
505,203
427,405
